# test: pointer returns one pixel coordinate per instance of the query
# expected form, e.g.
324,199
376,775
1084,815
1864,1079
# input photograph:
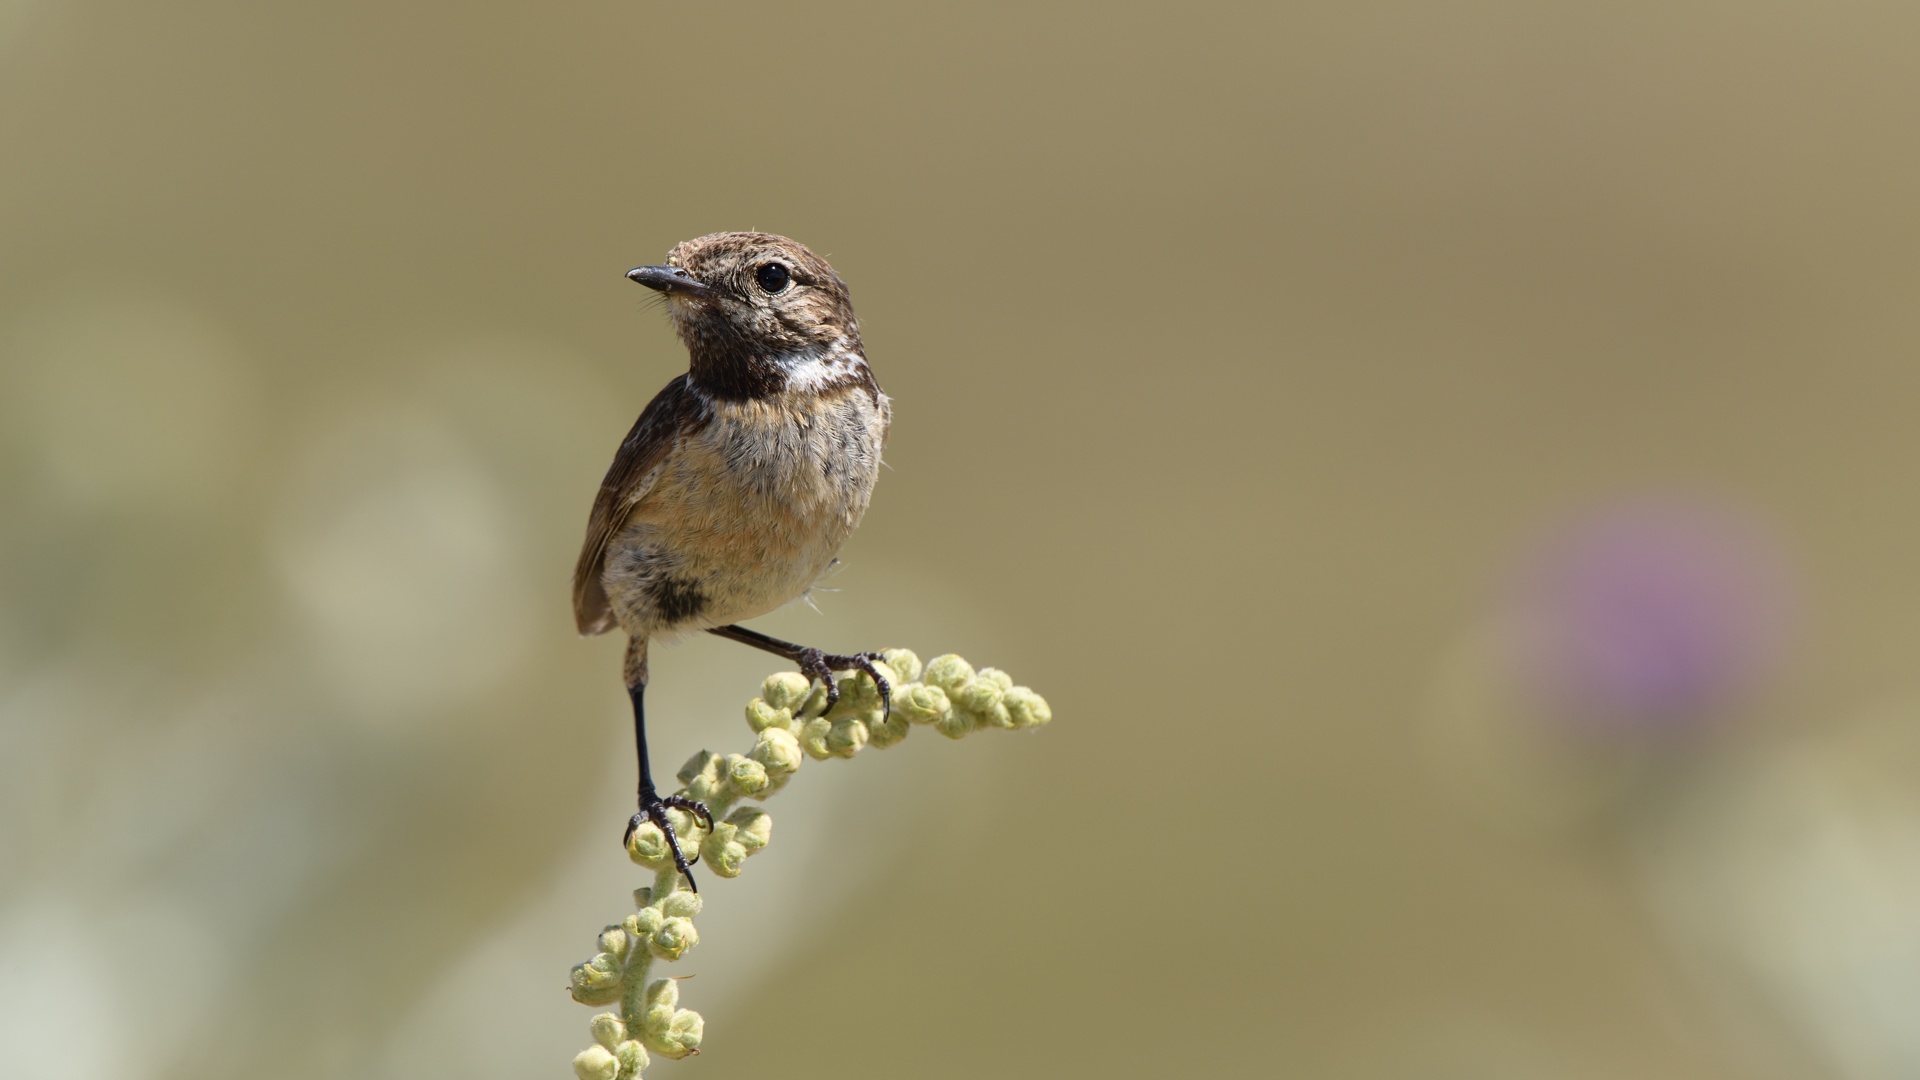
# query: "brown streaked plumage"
742,478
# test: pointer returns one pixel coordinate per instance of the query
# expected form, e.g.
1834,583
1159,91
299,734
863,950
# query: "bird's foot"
654,808
815,664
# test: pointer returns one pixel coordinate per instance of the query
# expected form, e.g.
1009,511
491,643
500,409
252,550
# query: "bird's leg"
653,807
815,664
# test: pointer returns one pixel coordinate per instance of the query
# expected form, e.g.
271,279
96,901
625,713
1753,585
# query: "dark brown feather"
671,412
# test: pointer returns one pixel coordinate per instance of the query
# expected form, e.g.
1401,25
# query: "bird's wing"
628,480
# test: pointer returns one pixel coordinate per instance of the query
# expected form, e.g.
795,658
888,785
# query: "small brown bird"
742,478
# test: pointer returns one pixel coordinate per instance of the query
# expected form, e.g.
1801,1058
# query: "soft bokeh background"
1450,467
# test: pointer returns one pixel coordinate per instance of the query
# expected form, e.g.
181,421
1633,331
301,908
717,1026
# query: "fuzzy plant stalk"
791,722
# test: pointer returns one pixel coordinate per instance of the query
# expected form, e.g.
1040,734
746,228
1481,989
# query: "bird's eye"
772,277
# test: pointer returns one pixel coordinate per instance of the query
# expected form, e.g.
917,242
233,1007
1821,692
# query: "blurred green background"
1280,389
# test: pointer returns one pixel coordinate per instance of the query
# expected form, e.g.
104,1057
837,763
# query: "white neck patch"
817,370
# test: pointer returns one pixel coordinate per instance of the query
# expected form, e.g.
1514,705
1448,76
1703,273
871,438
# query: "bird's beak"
671,280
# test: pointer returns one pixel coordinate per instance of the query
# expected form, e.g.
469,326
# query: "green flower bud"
614,940
998,717
997,677
745,775
846,736
681,904
813,738
608,1031
786,690
753,827
662,993
597,982
659,1004
982,698
885,732
778,751
921,704
674,938
632,1057
744,832
678,1035
644,923
703,774
596,1063
648,847
954,724
904,664
1026,708
947,672
654,1022
761,716
703,763
685,1032
723,853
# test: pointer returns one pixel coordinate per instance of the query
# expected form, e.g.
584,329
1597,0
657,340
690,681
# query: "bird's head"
752,306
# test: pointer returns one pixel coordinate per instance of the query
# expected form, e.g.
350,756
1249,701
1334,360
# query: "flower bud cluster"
650,1019
660,928
956,699
946,693
791,722
613,1056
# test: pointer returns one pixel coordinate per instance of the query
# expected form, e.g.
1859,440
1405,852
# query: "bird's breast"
749,509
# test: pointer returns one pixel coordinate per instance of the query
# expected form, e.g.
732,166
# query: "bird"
741,479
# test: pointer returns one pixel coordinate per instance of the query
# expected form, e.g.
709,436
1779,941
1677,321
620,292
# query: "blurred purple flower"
1652,616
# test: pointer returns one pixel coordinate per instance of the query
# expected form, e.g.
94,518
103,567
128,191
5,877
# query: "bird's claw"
692,806
654,808
815,664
